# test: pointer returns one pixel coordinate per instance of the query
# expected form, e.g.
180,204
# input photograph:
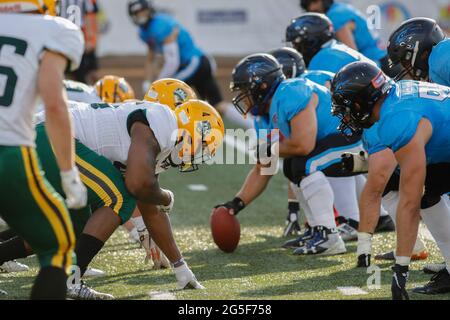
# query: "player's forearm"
59,130
160,229
288,149
369,208
408,218
254,185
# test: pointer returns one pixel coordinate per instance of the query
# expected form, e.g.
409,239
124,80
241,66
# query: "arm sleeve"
171,53
339,16
397,129
296,99
164,125
65,38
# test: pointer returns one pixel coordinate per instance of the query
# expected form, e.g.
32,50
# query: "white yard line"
351,291
162,295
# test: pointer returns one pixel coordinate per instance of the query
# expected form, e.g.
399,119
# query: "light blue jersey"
439,63
335,55
160,27
318,76
371,141
368,44
291,97
408,103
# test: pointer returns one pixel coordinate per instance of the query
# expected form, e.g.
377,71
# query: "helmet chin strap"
258,107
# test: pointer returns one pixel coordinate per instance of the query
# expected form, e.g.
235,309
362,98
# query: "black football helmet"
291,61
255,78
355,89
411,45
136,6
326,4
308,33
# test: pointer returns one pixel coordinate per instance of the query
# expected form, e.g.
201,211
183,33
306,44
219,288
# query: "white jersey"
103,128
23,39
80,92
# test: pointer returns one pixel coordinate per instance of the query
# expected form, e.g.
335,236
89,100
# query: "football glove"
292,226
76,192
233,206
186,278
152,251
398,286
355,162
167,209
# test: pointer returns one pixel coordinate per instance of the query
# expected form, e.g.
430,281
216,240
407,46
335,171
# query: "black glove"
363,261
236,205
398,286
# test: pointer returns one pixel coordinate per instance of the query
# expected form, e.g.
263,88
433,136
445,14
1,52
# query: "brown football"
225,229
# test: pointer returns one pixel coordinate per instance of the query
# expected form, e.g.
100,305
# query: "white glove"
145,86
167,209
355,162
186,279
152,251
76,192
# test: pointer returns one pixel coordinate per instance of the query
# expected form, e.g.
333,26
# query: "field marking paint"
162,295
197,187
351,291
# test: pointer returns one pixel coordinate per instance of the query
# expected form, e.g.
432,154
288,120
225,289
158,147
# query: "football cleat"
385,224
324,242
363,261
82,292
347,232
398,284
13,266
300,241
432,268
439,283
292,227
94,273
3,293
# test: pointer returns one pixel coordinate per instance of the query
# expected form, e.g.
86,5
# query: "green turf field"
258,269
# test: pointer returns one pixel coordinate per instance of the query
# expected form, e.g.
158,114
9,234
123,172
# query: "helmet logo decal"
204,127
180,95
184,118
379,80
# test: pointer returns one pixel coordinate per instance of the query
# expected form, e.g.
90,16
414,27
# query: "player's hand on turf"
233,206
152,251
186,278
168,208
399,279
355,162
76,192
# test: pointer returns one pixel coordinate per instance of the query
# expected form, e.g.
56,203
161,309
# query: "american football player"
33,64
421,46
182,57
345,202
98,147
312,35
351,28
296,111
413,121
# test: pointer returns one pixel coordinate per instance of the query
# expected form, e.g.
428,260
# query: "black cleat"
389,256
385,224
439,283
433,268
363,261
300,241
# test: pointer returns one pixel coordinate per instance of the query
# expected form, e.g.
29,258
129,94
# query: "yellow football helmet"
113,89
200,134
41,6
170,92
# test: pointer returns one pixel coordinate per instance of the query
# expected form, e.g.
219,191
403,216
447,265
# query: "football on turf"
225,229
